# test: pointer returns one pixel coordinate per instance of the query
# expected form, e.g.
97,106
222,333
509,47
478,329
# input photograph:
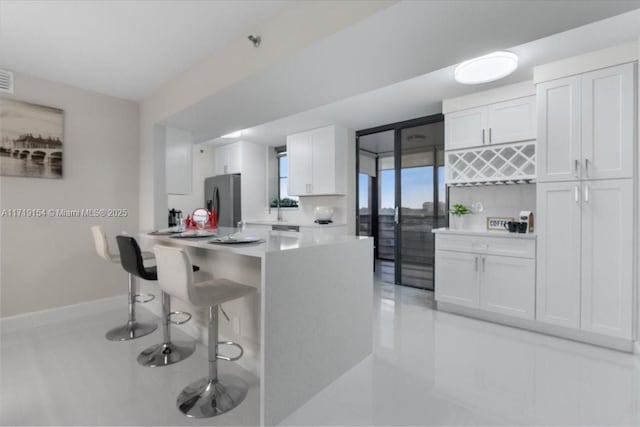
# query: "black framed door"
415,171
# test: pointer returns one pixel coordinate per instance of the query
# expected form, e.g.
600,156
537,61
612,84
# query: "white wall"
51,262
497,200
203,167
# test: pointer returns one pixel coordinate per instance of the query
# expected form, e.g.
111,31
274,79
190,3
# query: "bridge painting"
31,140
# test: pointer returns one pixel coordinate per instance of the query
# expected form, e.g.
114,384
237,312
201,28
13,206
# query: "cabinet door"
558,269
324,161
607,257
607,122
465,128
507,285
221,154
300,158
234,158
558,105
457,278
512,121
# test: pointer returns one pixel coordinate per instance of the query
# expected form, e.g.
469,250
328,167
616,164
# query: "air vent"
6,81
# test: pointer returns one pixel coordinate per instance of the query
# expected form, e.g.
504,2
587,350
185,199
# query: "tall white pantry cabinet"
585,201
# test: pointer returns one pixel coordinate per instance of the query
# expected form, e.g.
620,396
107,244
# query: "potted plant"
457,212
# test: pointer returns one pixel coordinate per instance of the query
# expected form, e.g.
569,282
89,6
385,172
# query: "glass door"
420,201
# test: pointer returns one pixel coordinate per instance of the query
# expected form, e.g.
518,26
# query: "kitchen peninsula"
310,320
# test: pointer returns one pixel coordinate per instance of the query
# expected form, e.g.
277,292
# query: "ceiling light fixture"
236,134
486,68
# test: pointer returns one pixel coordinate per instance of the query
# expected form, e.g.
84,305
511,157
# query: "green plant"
459,210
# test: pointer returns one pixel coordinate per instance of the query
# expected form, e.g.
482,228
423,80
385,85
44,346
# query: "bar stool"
167,352
133,329
212,395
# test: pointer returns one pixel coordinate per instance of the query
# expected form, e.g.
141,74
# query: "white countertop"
504,234
292,223
273,241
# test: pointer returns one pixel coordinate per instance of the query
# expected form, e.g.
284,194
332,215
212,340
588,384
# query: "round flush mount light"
486,68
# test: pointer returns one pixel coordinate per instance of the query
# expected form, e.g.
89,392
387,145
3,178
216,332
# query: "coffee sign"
496,223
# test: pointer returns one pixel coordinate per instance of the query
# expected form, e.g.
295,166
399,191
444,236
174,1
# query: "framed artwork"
31,140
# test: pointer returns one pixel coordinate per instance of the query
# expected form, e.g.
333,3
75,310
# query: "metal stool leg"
168,352
133,329
213,395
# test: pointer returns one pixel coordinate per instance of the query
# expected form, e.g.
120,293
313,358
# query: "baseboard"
613,343
60,314
200,333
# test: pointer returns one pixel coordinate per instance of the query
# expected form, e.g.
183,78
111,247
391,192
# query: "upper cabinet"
228,158
509,121
318,162
179,167
585,125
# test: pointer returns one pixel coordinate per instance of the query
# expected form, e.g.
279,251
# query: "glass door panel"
422,202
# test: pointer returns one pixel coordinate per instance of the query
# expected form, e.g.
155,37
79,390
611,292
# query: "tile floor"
428,368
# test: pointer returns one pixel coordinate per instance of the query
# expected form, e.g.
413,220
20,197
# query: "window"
286,201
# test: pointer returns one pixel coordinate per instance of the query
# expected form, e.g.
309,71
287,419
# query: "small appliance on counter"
527,217
323,214
174,217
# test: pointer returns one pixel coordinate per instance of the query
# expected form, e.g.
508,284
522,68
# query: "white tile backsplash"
497,200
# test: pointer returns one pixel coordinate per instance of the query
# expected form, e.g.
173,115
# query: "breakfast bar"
308,322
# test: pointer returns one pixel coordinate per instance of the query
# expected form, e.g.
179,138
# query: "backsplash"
304,214
497,200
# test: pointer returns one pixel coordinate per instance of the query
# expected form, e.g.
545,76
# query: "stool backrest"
101,244
175,271
131,257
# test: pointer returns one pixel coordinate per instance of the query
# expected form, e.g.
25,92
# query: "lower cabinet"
483,280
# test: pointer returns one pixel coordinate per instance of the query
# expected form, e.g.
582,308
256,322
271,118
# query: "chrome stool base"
130,331
165,354
206,398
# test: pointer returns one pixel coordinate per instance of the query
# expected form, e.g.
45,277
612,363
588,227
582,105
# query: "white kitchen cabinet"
318,162
508,285
179,161
466,128
607,122
299,157
457,278
495,274
512,121
585,126
607,257
559,146
228,158
509,121
585,255
559,240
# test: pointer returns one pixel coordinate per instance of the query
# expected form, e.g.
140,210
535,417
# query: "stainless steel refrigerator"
222,193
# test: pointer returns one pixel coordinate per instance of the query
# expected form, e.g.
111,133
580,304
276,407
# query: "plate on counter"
194,234
231,240
165,232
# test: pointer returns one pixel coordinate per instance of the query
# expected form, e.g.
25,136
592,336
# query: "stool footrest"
150,297
179,313
227,358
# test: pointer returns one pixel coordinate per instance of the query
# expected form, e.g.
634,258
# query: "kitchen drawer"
502,246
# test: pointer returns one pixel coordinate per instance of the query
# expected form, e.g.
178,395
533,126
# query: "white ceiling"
423,95
120,48
404,41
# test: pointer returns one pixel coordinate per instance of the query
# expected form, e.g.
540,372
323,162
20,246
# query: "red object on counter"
213,219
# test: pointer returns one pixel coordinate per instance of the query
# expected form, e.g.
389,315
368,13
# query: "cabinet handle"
489,135
587,190
577,194
476,264
576,167
482,136
226,168
484,265
586,166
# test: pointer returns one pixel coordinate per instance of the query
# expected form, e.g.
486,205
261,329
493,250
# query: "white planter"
457,222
